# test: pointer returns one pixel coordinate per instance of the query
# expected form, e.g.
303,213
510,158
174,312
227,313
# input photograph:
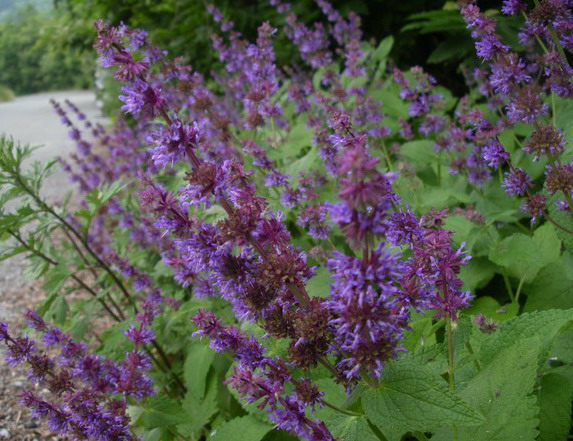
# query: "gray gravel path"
31,119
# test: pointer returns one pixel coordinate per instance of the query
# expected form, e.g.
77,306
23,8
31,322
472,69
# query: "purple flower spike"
516,182
494,153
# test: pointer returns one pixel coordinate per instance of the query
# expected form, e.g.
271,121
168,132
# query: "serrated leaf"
553,286
161,411
500,392
350,428
199,412
523,256
542,324
197,365
240,429
555,408
410,397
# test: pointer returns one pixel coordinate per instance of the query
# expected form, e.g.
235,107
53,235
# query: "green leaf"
46,304
564,118
391,102
450,49
419,334
476,274
350,428
55,279
213,214
419,152
153,435
500,392
523,256
553,286
490,307
199,412
299,137
383,49
308,162
543,324
555,408
161,411
410,397
461,226
319,285
241,429
548,243
197,365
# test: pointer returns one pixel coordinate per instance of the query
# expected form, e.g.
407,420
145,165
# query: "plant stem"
338,409
387,157
519,288
53,262
561,227
508,286
45,207
451,367
451,374
420,436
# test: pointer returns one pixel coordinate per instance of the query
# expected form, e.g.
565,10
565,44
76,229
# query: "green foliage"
239,429
501,392
34,57
411,398
554,398
6,94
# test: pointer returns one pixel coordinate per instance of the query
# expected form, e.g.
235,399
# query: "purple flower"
507,73
490,47
535,206
141,98
368,327
139,335
171,143
513,7
526,106
404,228
19,349
53,337
545,140
494,153
516,182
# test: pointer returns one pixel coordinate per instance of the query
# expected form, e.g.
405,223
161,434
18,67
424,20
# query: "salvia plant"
335,249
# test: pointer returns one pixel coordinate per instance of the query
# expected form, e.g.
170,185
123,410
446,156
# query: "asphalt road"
31,119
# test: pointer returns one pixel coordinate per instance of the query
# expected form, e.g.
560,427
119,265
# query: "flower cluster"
89,393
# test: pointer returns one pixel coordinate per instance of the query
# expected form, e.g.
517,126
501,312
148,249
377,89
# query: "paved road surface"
31,119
